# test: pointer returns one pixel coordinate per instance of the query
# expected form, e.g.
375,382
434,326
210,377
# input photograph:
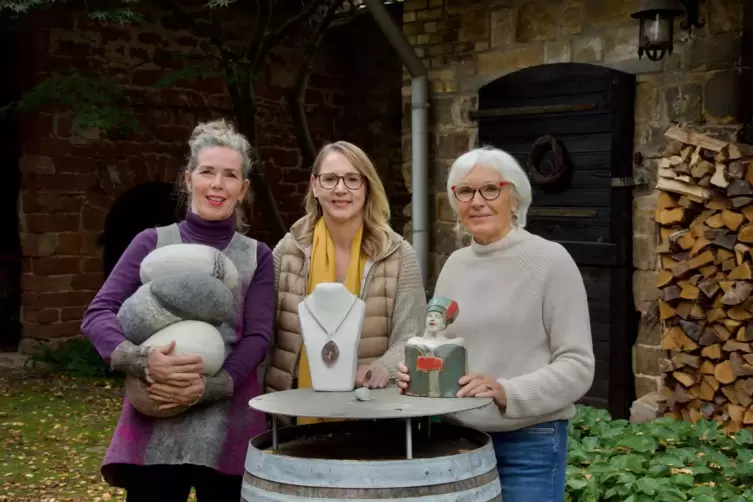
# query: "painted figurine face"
435,322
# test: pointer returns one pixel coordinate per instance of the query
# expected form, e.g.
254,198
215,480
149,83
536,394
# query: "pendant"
330,353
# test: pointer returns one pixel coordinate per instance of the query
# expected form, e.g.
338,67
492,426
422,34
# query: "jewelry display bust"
436,363
331,321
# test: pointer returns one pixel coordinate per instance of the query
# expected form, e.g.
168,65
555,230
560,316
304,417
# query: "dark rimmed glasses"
489,191
329,181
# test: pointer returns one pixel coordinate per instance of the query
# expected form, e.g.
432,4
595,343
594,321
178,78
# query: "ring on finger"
489,388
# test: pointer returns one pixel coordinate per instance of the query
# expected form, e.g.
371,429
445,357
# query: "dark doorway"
143,206
10,244
587,112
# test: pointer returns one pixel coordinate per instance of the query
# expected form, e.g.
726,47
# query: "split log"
696,139
697,193
737,293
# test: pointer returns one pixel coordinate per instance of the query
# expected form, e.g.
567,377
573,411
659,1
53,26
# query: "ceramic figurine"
436,363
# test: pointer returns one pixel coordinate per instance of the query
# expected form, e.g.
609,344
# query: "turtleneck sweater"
524,317
101,325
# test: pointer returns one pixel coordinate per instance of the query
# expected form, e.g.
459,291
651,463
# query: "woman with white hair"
524,317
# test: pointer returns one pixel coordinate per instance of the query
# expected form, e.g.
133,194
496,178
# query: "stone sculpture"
186,296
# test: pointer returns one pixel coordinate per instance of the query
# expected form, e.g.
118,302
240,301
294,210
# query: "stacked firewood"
705,214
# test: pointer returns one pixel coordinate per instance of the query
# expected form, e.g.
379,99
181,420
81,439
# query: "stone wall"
468,43
70,178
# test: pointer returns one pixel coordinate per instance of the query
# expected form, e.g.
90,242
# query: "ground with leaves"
53,434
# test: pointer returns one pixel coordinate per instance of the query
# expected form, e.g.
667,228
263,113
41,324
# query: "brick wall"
70,179
468,43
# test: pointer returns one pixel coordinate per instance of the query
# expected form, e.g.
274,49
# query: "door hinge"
631,181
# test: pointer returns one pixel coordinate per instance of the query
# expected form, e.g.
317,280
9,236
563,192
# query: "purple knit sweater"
133,432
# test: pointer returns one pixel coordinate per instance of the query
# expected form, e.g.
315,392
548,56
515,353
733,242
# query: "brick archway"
144,206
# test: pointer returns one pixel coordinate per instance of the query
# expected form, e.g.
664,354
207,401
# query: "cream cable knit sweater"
524,317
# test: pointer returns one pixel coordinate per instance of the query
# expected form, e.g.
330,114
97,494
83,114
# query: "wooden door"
588,111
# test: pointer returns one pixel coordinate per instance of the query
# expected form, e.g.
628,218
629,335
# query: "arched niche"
144,206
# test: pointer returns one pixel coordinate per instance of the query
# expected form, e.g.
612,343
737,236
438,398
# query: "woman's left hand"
173,396
480,385
373,376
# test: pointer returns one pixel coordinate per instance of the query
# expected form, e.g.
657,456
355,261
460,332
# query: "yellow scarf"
322,269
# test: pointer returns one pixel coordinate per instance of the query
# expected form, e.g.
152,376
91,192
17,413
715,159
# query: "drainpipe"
419,130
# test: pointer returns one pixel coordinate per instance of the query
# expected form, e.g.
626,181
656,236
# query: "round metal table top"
384,403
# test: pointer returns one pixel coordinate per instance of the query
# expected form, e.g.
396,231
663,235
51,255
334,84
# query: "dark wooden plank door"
589,109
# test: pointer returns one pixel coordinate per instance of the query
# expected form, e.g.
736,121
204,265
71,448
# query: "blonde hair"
376,209
219,133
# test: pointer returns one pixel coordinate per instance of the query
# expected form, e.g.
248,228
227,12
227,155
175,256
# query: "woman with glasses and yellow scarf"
345,237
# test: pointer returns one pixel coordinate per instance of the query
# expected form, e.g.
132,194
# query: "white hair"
505,165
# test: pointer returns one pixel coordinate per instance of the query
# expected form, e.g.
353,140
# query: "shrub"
75,357
661,461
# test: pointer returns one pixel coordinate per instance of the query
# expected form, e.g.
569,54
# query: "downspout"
419,130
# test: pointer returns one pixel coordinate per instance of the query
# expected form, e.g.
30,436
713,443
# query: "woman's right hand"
174,370
403,378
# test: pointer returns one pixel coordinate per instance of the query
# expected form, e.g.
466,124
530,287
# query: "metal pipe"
419,131
275,445
408,438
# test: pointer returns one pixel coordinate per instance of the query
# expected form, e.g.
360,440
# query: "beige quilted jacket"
391,289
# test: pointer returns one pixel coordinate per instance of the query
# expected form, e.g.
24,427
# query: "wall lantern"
657,25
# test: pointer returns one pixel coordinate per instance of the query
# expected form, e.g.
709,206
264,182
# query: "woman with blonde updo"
345,237
204,446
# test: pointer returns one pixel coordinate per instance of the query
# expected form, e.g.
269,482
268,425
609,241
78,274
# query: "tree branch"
295,96
271,39
226,55
263,15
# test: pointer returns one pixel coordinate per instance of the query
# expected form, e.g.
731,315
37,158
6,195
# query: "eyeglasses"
488,191
329,181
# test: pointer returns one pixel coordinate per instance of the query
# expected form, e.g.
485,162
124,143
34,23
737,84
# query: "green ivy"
661,461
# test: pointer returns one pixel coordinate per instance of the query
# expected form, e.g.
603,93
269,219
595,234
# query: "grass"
54,431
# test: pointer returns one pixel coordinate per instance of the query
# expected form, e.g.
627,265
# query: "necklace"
330,351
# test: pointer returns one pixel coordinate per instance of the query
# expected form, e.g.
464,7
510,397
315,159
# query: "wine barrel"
366,460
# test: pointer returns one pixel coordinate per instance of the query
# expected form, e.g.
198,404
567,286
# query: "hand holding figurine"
480,385
403,378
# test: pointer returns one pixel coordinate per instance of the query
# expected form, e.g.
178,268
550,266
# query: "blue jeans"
532,461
